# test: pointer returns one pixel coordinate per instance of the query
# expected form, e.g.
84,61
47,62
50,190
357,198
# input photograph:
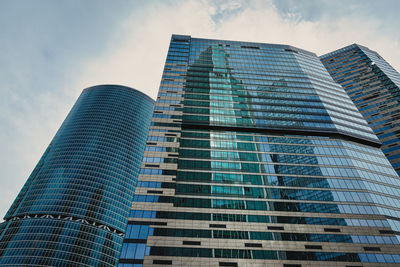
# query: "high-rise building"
256,156
73,209
374,87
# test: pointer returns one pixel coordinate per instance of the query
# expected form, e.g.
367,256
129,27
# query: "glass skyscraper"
256,157
374,87
74,207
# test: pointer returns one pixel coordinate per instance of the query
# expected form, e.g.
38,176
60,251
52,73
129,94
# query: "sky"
51,50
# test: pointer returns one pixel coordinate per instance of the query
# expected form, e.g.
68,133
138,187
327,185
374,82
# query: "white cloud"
137,58
137,50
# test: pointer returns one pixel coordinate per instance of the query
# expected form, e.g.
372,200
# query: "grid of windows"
256,156
73,209
374,87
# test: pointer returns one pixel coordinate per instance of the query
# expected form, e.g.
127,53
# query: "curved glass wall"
74,207
266,86
255,157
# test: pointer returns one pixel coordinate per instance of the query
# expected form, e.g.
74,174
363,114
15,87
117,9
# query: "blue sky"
51,50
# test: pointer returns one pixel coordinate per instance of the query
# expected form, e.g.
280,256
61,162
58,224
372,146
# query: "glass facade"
73,209
374,87
256,157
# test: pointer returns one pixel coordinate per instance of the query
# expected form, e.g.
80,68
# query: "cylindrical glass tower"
74,207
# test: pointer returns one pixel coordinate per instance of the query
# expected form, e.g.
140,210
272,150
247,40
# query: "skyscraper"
256,156
74,207
374,87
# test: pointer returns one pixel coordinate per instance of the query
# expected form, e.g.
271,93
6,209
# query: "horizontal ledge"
287,131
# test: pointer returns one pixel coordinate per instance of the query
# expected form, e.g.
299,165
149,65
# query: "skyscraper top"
77,199
372,56
333,111
120,87
374,86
